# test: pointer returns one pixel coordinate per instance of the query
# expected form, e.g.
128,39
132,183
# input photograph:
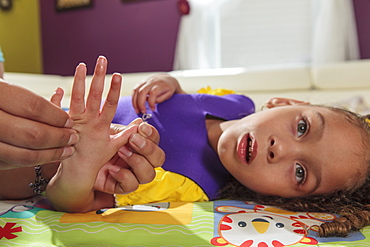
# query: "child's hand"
277,101
123,174
71,189
96,145
134,165
155,89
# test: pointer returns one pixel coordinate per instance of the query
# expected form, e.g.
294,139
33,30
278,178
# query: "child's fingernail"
58,90
138,140
145,128
137,121
67,151
116,77
101,60
125,151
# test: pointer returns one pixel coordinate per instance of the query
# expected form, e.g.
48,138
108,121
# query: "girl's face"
293,151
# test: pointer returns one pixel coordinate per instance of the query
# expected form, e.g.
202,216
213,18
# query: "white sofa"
345,82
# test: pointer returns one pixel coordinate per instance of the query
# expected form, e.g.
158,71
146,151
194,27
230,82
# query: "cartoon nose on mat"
262,225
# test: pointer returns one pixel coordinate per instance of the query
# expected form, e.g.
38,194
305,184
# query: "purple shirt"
180,122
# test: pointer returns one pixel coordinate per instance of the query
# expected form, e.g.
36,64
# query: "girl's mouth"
247,149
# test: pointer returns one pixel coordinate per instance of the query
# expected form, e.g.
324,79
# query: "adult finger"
26,133
142,169
126,181
21,102
148,131
13,157
147,149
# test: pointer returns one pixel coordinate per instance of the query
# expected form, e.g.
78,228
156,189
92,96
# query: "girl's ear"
275,102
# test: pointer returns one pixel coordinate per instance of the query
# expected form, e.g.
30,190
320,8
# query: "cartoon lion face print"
255,229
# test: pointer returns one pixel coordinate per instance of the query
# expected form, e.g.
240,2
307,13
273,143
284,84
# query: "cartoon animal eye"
242,224
302,127
300,173
279,225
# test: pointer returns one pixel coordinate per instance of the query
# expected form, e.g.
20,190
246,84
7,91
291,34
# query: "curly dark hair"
353,205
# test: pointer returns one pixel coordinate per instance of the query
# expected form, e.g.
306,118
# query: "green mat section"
219,223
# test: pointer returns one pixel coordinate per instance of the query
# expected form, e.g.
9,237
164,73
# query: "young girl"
287,156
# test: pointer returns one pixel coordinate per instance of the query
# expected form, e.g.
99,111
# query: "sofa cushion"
246,80
344,75
41,84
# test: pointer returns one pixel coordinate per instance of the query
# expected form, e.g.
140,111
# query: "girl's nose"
271,150
279,149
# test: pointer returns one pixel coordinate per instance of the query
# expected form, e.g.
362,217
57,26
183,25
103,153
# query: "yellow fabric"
367,121
166,187
217,91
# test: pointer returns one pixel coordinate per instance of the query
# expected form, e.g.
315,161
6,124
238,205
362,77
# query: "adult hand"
155,89
33,131
134,163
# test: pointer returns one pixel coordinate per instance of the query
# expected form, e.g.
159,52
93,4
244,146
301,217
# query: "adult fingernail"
138,140
73,139
115,169
125,151
67,151
145,128
69,123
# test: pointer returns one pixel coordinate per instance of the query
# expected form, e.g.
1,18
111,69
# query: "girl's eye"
300,173
302,127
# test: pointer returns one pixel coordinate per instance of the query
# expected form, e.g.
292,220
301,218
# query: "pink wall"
135,37
362,10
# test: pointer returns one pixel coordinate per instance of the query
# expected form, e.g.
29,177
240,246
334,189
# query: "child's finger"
97,86
122,138
141,97
152,96
110,104
147,149
77,105
134,101
57,97
117,128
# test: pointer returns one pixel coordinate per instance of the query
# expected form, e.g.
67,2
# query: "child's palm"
96,145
